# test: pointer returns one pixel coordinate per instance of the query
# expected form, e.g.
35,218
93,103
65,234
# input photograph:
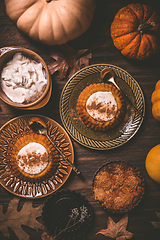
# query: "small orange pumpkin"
155,99
152,163
135,31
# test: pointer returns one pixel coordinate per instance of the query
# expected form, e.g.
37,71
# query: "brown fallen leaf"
14,219
117,230
46,236
68,61
156,224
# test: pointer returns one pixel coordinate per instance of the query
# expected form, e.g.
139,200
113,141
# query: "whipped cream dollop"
23,79
32,158
102,106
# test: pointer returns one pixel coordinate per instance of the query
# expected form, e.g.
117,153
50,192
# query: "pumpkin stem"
144,27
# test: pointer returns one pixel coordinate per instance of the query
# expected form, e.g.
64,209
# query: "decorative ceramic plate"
108,139
67,215
19,175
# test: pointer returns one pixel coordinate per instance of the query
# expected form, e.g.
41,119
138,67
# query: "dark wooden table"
147,73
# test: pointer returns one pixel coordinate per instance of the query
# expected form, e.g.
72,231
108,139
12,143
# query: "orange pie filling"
33,158
101,106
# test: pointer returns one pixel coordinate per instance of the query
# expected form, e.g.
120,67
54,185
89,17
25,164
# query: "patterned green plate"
76,128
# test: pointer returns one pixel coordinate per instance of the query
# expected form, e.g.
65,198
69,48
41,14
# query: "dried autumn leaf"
67,59
46,236
117,230
156,224
14,219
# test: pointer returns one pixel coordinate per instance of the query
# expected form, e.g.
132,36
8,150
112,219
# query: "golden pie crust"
53,157
118,186
91,122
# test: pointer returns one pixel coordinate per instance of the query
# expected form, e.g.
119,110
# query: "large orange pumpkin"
135,31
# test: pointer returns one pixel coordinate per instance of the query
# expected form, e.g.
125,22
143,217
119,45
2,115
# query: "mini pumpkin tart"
33,158
101,106
118,186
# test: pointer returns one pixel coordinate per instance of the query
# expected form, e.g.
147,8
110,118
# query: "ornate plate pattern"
101,140
13,130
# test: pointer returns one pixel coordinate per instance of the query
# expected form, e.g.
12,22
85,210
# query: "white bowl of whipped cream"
25,81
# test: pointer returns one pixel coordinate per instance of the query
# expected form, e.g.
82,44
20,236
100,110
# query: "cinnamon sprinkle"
33,159
108,109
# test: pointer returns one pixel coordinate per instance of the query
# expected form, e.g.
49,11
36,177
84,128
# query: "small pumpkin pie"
101,106
118,186
33,158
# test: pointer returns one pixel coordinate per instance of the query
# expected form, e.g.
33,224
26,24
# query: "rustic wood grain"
147,73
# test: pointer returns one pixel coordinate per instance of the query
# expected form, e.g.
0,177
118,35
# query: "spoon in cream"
108,75
39,127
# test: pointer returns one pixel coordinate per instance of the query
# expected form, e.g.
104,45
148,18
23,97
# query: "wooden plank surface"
147,73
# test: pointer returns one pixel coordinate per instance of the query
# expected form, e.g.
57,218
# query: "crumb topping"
118,186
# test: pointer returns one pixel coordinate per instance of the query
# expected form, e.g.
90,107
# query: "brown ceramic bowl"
68,207
6,54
